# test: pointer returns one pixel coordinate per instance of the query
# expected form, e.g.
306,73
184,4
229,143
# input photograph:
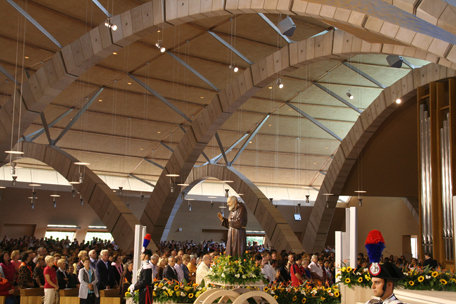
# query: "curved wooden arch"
335,44
352,145
113,212
76,58
273,223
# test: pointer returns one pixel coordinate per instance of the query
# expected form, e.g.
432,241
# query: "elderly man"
317,271
93,258
170,273
105,272
235,223
203,268
153,264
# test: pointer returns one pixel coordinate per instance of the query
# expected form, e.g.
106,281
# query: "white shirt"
201,272
316,268
269,271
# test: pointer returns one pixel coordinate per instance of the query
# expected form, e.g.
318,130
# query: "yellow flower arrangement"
336,294
303,300
347,280
178,293
294,298
349,269
276,296
335,287
367,277
154,294
420,279
160,285
170,292
329,289
443,282
343,269
126,294
360,280
265,289
176,288
435,274
411,283
322,298
190,295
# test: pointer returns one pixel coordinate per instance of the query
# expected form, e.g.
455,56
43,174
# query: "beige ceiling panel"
174,36
275,143
260,105
149,170
278,177
344,75
362,97
210,23
216,51
290,88
243,121
385,75
108,164
131,57
101,75
95,16
325,113
12,51
65,30
315,70
74,95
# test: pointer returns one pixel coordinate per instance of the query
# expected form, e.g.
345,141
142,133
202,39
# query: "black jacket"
170,273
144,285
105,275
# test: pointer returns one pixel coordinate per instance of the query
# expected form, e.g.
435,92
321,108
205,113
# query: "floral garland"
305,293
235,270
416,279
176,292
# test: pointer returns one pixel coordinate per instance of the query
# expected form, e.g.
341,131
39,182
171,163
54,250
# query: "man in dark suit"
105,272
430,261
169,272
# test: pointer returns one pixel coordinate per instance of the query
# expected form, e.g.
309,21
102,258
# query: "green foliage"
176,292
235,270
305,293
416,279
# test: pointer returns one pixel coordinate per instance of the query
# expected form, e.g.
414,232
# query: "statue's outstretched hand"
219,215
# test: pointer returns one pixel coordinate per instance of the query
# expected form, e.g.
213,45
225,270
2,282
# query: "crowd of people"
95,265
401,262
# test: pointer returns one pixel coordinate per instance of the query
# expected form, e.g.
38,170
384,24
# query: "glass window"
100,235
259,239
60,235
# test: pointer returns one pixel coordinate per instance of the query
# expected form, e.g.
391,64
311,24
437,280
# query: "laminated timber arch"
273,223
74,59
351,146
113,212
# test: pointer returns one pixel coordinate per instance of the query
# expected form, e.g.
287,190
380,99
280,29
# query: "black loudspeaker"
287,27
394,61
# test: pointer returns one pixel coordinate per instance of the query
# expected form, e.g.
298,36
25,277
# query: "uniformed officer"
385,275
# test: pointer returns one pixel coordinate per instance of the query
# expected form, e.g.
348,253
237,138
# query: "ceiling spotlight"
234,68
73,192
398,101
33,205
81,199
307,199
142,197
227,192
349,95
279,83
109,24
360,202
14,180
160,47
120,190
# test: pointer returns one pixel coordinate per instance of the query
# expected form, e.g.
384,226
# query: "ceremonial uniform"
384,273
144,284
391,300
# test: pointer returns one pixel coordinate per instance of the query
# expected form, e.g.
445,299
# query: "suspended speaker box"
394,61
287,27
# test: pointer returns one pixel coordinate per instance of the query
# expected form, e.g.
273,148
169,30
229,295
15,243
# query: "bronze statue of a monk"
235,223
